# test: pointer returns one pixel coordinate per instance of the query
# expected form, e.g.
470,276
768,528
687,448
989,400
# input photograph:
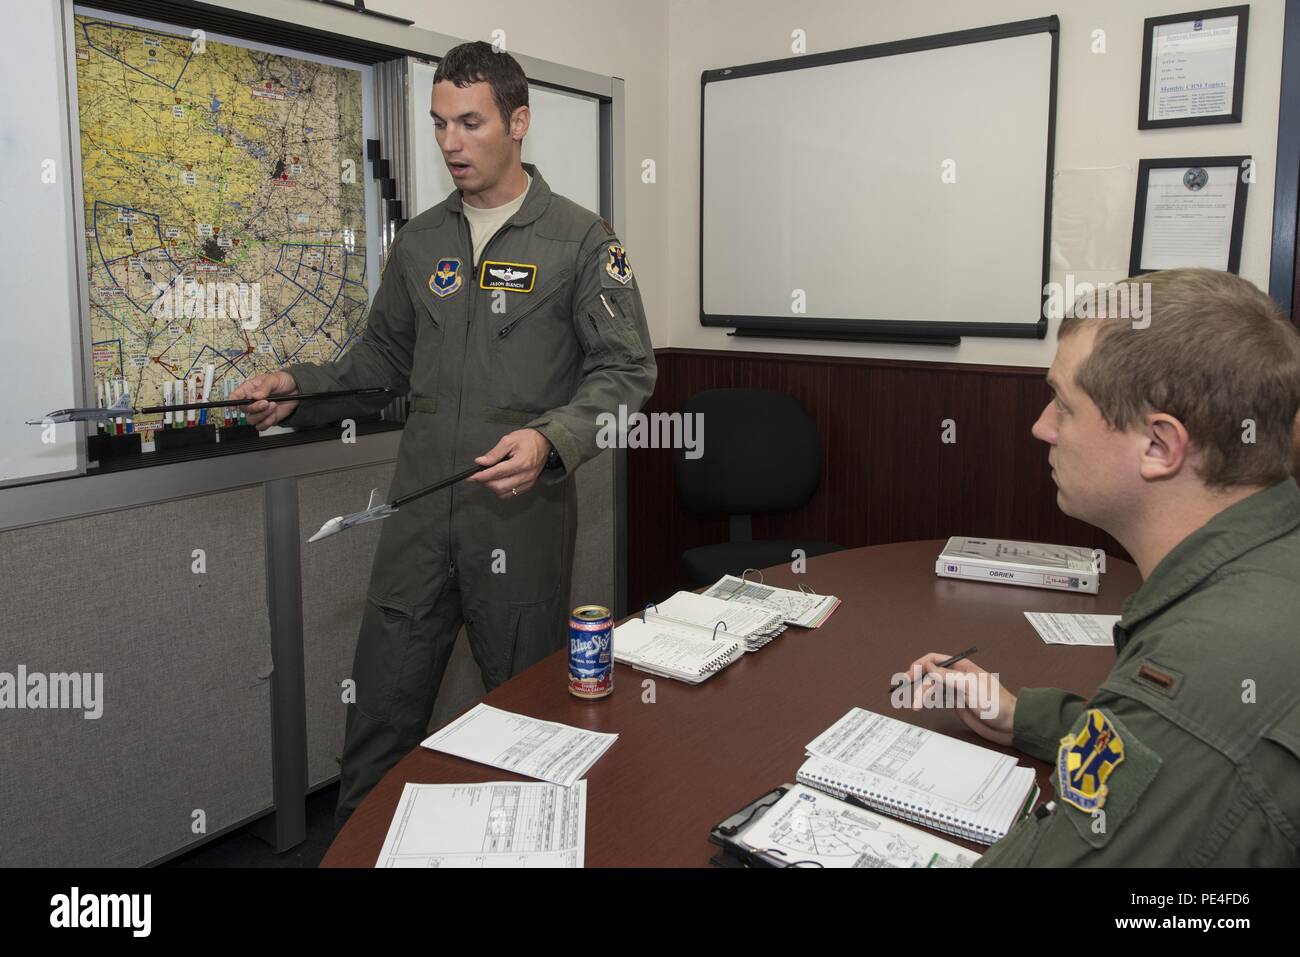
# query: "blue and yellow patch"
447,278
618,267
1085,760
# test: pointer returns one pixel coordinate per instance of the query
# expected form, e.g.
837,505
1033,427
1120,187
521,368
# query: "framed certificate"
1193,68
1189,212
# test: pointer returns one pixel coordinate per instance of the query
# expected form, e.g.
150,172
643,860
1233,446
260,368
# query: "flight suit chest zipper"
532,307
467,242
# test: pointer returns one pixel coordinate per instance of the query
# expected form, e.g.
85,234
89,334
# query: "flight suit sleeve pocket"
1018,847
1102,771
611,326
381,647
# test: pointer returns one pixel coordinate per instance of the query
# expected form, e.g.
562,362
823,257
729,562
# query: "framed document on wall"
1193,68
1189,212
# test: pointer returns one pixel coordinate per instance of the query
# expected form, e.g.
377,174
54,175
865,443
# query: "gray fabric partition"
185,659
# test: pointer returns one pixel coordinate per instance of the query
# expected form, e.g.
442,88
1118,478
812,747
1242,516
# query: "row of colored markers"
196,387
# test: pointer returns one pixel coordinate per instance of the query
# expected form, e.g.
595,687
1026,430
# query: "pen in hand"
946,663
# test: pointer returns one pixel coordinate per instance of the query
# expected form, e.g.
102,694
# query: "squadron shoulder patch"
446,278
618,267
512,277
1085,760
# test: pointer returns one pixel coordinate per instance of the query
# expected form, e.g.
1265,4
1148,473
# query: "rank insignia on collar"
446,278
1085,760
618,266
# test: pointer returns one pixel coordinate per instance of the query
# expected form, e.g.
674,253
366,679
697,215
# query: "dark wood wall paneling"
886,474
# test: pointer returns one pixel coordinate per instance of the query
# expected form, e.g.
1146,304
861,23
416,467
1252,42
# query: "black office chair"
761,453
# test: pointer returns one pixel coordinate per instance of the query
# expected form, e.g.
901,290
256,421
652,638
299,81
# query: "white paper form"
795,607
901,754
1057,629
809,826
559,753
503,824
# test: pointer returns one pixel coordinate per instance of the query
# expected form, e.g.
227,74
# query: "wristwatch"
553,460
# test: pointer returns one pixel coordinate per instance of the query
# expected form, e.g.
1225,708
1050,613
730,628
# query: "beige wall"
1096,126
660,47
622,38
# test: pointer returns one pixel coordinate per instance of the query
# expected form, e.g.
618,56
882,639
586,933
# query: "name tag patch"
512,277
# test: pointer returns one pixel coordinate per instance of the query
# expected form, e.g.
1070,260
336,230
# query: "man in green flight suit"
506,309
1176,438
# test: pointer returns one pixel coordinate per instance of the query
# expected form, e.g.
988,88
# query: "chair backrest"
761,453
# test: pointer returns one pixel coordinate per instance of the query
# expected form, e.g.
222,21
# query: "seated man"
1177,439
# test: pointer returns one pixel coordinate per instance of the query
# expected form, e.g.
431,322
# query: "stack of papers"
558,753
795,607
674,650
919,775
503,824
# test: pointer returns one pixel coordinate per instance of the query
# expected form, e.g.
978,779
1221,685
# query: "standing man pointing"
513,318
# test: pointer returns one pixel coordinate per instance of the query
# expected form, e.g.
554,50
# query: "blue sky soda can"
591,651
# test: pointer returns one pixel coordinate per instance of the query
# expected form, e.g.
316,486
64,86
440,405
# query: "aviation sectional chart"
209,166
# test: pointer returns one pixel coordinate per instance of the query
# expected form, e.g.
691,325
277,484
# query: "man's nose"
1045,428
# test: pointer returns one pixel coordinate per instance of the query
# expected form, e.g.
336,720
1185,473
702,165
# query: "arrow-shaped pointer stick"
436,486
294,397
122,407
374,512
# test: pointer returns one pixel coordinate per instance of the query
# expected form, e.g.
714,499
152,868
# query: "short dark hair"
477,62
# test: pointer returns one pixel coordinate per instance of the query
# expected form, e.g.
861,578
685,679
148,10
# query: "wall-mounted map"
224,207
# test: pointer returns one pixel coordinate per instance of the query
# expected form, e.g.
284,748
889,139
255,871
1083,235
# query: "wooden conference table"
699,753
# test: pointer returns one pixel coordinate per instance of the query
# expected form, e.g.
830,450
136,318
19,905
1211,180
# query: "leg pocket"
382,646
541,631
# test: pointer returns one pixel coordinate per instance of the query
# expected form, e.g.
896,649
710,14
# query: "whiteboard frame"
889,330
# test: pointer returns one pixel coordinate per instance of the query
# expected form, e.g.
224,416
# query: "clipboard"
735,852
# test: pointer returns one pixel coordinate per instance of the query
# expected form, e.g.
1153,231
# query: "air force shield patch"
618,267
1085,760
446,278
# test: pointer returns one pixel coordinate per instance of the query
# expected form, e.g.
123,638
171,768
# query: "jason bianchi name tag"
513,277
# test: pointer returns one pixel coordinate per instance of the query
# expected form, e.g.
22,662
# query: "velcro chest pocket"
1277,761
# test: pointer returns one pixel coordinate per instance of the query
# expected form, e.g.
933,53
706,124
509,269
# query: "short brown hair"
1216,353
479,62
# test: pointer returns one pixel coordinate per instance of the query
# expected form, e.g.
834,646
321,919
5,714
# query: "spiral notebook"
750,624
674,649
919,775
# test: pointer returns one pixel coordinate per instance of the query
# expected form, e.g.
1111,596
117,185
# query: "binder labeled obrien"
1033,564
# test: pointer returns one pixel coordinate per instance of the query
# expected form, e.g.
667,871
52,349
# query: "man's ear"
1167,447
519,121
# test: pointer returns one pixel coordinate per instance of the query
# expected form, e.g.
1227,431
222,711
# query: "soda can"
591,651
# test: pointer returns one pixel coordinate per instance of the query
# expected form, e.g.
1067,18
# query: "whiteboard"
905,187
38,259
563,142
